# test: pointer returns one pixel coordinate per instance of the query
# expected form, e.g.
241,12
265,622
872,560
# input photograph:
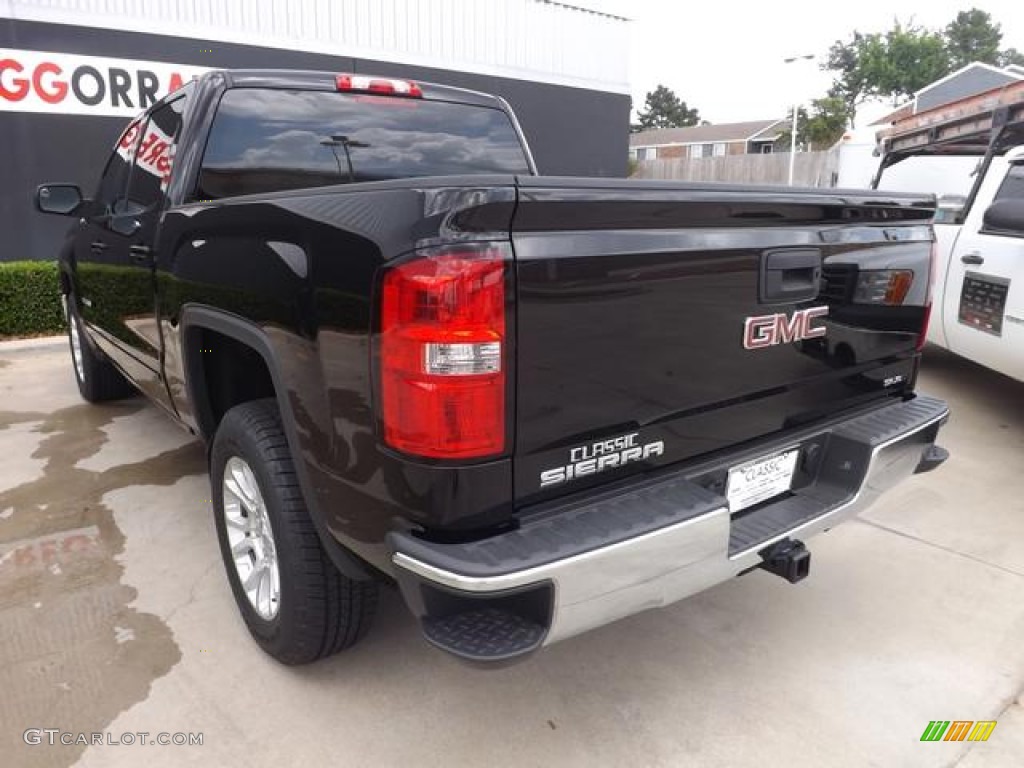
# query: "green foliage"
29,299
892,65
914,58
848,60
819,128
828,121
973,36
1011,56
896,64
663,109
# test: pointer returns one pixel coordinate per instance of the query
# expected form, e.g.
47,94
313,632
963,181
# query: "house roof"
977,65
703,134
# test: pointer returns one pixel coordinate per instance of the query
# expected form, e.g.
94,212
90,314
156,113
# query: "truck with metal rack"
978,301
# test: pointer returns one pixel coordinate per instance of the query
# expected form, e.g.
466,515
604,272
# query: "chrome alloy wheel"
76,348
251,538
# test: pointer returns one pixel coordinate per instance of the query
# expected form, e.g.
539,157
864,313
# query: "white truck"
978,306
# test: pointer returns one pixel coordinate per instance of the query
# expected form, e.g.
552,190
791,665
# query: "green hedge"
29,299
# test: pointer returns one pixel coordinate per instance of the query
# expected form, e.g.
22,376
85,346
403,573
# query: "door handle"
972,258
790,275
140,253
98,246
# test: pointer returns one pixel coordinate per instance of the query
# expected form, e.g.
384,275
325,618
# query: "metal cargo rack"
986,125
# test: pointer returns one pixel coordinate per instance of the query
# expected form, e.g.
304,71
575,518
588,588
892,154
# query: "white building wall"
525,39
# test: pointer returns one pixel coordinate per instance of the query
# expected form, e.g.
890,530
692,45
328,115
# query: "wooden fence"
813,169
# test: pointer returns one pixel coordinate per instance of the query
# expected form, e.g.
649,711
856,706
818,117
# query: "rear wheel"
297,605
98,380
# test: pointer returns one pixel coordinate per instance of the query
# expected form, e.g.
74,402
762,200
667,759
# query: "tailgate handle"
790,275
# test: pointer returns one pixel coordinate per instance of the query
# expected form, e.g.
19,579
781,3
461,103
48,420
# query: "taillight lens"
883,286
442,353
382,86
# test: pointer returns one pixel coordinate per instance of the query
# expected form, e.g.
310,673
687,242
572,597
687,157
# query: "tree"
827,122
1011,56
973,36
663,109
893,65
898,63
819,128
915,58
857,65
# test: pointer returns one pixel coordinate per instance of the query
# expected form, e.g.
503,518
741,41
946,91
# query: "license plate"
760,480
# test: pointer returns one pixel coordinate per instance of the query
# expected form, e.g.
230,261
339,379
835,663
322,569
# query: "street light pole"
334,151
333,142
792,144
793,128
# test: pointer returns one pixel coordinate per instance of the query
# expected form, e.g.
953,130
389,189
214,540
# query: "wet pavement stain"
73,653
10,418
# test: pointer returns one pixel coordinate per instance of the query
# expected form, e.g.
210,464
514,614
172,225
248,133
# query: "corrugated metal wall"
528,39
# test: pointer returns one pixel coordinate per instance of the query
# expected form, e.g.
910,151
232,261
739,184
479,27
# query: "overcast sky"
725,57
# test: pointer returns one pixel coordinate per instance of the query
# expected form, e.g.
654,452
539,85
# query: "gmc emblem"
769,330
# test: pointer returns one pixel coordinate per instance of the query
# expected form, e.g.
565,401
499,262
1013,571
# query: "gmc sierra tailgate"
657,322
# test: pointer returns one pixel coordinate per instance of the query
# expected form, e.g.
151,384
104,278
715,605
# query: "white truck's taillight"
442,353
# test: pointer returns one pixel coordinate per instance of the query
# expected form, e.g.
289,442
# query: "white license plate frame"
762,479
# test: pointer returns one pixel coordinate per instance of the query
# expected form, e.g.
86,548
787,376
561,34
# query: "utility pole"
796,113
333,142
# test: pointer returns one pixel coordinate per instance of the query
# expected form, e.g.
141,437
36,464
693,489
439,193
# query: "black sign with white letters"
983,302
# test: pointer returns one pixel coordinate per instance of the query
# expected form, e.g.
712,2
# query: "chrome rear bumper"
617,554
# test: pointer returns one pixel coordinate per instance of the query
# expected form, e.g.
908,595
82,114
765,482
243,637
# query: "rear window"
266,140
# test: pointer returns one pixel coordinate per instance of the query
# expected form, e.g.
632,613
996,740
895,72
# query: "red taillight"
384,86
442,353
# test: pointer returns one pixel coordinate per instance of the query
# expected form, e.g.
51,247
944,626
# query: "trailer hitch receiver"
788,559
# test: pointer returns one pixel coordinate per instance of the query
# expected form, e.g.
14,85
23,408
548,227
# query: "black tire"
320,611
98,380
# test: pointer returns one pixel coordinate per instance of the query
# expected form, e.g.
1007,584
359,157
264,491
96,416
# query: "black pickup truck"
534,404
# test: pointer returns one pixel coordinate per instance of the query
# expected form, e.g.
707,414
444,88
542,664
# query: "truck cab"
982,270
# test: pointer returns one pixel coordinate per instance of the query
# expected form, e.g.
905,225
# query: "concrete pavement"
116,618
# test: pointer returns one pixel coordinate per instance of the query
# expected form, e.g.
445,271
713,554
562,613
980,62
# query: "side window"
115,176
154,157
1012,187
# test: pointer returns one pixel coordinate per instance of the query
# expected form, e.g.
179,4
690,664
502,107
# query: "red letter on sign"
155,152
130,135
147,142
20,83
176,83
59,88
